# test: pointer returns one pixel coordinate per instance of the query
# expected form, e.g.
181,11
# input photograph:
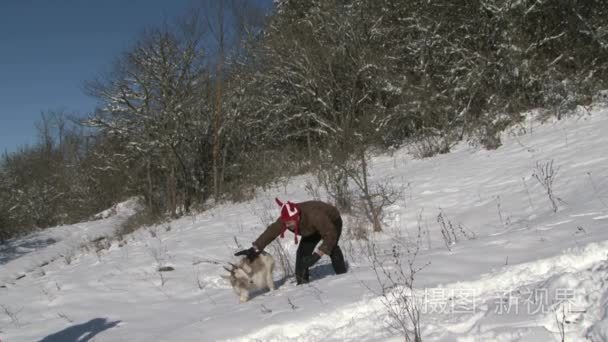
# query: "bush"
142,218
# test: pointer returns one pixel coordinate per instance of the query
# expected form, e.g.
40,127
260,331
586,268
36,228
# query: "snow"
20,256
518,271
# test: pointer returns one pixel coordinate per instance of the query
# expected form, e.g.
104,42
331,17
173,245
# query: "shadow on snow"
81,332
11,250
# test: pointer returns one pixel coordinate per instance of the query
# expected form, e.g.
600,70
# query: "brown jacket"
316,217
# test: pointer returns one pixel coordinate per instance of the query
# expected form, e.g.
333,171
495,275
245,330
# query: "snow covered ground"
518,272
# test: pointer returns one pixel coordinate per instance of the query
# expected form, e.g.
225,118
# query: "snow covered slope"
20,256
518,272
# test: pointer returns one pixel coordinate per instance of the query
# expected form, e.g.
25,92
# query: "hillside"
514,270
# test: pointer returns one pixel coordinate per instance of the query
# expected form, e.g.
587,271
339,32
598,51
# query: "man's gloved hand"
310,260
251,253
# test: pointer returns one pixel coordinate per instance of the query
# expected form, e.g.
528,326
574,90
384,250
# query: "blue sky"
49,48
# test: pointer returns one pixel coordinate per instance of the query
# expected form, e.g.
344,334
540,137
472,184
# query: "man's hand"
251,253
310,260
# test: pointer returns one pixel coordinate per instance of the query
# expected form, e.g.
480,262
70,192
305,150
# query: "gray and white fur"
248,276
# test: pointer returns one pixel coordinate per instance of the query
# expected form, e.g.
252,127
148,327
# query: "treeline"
231,98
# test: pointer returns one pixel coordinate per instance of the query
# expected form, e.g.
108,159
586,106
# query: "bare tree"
545,174
152,103
229,24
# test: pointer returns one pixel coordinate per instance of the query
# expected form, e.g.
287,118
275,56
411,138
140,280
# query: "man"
314,221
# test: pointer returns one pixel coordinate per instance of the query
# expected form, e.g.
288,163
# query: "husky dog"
249,275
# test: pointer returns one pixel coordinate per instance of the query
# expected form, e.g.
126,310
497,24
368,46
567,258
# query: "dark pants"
307,246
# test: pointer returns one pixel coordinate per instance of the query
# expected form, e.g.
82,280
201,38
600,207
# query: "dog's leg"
270,281
244,296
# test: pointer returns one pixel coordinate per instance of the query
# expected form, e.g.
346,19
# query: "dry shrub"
142,218
426,146
358,229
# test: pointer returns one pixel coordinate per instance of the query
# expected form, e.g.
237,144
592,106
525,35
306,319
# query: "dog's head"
238,276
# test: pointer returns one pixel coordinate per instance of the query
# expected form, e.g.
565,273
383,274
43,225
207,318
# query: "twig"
265,310
293,306
208,261
64,316
12,314
523,180
595,190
